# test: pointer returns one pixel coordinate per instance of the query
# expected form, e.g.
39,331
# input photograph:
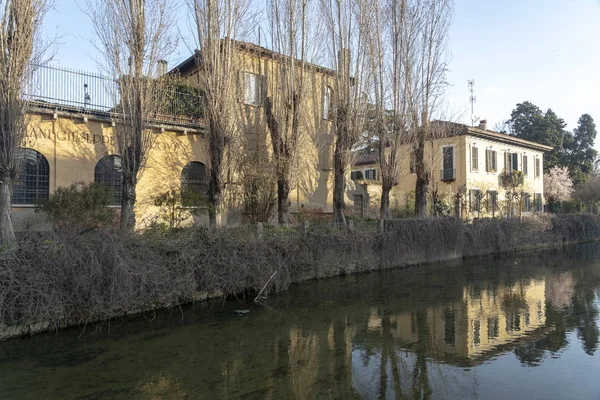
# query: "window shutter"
487,160
515,162
494,161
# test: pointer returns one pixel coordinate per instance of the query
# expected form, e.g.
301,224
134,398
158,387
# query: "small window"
448,163
193,183
371,174
474,159
514,160
537,167
356,175
109,172
251,88
327,102
33,182
537,202
527,202
525,167
490,161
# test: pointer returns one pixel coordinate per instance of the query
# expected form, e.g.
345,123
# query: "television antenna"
472,100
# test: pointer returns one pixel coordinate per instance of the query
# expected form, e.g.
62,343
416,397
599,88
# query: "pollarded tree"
427,83
558,186
392,37
285,107
345,27
21,49
218,23
133,36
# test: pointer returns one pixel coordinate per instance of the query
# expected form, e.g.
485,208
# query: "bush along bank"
64,280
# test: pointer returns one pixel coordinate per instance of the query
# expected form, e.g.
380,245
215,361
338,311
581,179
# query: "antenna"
472,99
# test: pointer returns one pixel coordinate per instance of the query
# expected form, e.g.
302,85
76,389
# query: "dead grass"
70,279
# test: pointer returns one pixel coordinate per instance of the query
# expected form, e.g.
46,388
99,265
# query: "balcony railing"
70,90
448,174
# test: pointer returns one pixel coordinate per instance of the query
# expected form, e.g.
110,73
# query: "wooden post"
259,230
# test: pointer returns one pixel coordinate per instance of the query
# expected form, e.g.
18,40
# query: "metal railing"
71,90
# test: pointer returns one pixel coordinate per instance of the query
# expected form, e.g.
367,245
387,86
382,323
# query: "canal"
519,326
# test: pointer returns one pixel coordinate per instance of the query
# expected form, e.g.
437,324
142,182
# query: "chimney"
161,68
482,124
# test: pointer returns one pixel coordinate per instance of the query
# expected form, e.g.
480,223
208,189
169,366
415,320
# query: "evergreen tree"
580,148
527,121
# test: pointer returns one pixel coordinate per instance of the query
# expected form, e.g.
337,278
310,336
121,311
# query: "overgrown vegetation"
65,279
79,207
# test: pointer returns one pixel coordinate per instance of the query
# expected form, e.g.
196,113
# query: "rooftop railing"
71,90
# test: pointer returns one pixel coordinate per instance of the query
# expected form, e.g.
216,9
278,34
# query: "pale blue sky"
544,51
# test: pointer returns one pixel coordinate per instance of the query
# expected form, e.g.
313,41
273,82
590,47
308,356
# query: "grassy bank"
63,280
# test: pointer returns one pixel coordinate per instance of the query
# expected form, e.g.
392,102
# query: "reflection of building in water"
478,322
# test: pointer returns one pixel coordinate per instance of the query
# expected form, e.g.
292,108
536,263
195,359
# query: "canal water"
521,326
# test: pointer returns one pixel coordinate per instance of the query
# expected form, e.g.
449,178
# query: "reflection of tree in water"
585,313
421,386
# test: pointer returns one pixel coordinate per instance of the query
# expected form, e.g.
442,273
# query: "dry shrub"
67,279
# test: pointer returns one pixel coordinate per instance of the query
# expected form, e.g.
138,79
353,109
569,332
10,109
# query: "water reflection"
450,330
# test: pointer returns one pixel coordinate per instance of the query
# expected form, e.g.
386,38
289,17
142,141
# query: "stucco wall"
72,148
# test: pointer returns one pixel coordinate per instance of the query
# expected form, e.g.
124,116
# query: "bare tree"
393,34
427,84
346,31
284,106
133,37
22,49
218,24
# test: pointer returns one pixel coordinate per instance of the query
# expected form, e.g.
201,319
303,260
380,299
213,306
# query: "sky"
543,51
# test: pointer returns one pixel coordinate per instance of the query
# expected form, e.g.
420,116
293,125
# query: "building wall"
466,174
72,148
312,185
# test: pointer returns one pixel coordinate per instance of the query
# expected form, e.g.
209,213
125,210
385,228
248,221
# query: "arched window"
193,182
109,172
32,184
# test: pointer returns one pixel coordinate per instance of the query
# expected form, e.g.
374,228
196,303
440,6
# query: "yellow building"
500,174
70,139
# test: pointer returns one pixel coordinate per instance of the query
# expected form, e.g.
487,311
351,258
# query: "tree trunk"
214,196
422,184
339,188
7,234
384,210
128,203
283,202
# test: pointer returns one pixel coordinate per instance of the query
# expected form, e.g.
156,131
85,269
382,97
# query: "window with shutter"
488,160
527,202
537,168
514,162
474,159
525,168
